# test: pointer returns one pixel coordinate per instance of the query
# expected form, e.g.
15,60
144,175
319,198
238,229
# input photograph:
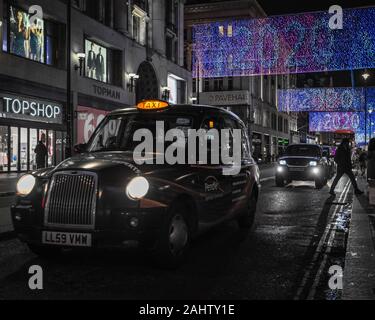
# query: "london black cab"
303,162
101,198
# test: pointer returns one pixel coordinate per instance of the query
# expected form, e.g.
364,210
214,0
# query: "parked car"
303,162
102,198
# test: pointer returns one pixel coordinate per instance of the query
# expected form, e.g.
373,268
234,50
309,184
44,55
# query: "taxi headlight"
25,185
137,188
313,164
282,163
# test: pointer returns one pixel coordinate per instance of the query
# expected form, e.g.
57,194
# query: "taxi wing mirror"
80,148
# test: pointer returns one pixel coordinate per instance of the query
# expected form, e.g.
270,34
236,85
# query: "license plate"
67,239
297,169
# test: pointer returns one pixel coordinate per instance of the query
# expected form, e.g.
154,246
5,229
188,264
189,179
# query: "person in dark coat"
99,64
344,166
41,155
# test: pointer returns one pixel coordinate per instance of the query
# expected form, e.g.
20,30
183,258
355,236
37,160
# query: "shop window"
51,148
42,41
33,143
101,62
5,34
177,88
3,148
14,154
24,149
59,147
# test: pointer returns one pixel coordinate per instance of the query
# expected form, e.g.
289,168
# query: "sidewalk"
8,183
7,192
359,274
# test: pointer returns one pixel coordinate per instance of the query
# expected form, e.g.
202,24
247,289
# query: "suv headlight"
282,163
313,164
137,188
25,185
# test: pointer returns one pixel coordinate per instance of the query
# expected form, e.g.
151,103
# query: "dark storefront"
25,120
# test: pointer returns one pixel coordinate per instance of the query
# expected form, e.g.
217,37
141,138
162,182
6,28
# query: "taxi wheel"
247,219
174,239
44,252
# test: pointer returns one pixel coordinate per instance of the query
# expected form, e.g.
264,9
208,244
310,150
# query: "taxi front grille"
71,200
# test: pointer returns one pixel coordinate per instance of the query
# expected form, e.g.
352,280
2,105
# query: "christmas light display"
285,44
325,99
349,121
335,121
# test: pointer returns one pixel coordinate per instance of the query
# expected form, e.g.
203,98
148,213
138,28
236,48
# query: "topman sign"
29,109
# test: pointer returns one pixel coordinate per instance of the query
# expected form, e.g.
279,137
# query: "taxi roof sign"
152,105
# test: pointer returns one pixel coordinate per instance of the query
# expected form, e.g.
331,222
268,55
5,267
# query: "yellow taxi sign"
152,105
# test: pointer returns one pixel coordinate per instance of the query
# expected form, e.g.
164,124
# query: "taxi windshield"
116,132
303,151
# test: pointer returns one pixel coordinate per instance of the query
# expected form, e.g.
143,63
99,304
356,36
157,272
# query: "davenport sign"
225,98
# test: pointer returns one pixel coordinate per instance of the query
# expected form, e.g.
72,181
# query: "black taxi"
103,198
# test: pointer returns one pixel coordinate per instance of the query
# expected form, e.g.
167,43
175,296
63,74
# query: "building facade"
253,99
121,51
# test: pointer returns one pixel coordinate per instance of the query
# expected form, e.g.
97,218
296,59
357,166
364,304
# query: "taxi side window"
211,122
246,151
229,124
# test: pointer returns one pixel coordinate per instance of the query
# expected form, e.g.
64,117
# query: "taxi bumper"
115,229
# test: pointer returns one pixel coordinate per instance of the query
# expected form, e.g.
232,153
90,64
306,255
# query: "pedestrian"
41,155
344,166
362,162
371,160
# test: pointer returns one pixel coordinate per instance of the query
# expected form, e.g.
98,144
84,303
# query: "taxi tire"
247,219
44,251
162,253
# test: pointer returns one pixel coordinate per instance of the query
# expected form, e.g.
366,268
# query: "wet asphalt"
270,263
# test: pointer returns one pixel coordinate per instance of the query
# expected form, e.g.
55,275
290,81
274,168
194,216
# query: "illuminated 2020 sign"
335,121
285,44
325,99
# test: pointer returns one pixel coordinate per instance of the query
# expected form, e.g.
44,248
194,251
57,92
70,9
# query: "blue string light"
285,44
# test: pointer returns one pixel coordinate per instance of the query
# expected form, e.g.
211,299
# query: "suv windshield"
303,151
116,132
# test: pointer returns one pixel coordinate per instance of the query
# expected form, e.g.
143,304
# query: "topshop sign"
28,109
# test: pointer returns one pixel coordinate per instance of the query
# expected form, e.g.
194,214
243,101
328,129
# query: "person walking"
362,162
344,166
371,160
41,155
